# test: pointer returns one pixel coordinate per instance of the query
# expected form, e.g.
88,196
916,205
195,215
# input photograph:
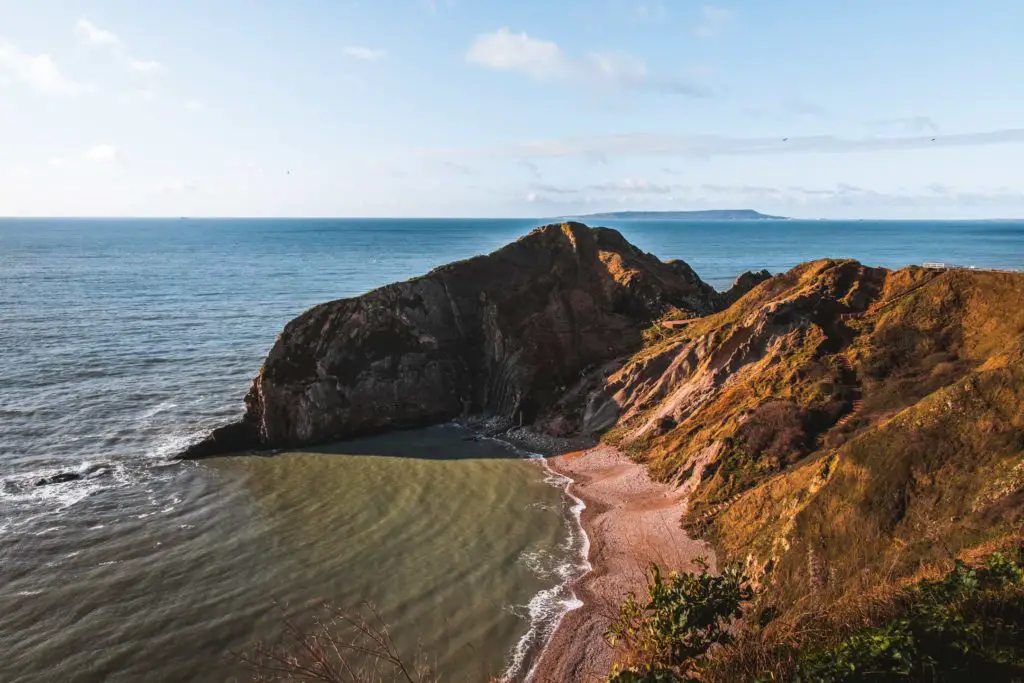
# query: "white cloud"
97,154
100,154
365,54
713,21
94,36
144,66
195,105
38,72
508,51
544,60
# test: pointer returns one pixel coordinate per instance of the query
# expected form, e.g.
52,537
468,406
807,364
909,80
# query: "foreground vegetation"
341,646
967,625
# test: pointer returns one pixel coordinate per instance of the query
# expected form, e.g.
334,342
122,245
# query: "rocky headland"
500,335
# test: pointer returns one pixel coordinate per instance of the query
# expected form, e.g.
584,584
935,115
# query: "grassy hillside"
846,432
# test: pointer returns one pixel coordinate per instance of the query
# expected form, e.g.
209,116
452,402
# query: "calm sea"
122,340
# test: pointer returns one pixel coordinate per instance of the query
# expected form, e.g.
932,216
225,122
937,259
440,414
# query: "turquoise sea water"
121,340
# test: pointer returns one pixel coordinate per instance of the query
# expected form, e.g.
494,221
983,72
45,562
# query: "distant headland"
713,215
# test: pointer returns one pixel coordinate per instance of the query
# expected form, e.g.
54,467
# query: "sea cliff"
499,335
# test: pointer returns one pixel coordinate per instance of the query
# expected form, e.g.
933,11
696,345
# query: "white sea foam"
152,412
547,608
172,443
50,501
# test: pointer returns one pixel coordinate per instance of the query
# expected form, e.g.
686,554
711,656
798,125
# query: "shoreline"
627,521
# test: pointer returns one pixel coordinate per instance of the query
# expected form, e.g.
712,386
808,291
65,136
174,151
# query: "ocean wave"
47,493
544,612
547,608
153,411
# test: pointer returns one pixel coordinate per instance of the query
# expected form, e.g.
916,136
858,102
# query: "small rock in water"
59,478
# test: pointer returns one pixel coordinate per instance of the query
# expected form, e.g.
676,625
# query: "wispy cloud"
713,21
93,36
100,153
633,186
38,72
544,60
709,146
194,105
365,54
144,66
533,169
548,188
97,154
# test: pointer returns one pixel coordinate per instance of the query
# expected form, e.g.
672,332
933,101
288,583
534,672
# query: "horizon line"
602,214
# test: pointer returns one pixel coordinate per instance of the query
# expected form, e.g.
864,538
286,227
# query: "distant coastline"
712,215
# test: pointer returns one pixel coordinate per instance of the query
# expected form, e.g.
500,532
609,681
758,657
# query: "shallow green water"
461,545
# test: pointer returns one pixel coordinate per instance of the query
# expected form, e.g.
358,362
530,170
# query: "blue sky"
526,108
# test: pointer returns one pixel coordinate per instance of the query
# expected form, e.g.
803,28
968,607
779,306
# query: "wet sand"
631,521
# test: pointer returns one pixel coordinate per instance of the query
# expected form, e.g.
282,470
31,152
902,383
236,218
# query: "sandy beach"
631,521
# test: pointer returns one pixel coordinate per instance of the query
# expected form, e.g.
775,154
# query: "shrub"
344,646
967,626
666,637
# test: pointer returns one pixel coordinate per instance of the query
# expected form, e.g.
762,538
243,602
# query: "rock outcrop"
501,335
743,284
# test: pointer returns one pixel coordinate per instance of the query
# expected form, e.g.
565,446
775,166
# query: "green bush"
666,637
968,626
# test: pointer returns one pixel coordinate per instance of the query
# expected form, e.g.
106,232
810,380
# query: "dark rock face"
743,284
501,334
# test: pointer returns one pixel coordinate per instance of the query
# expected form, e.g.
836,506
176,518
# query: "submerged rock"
59,478
84,472
499,334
